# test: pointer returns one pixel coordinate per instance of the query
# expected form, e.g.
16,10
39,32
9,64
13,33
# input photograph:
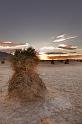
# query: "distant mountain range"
4,55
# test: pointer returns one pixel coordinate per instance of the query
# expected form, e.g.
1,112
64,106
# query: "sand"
62,105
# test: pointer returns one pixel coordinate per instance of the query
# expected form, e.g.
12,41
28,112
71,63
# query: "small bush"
26,83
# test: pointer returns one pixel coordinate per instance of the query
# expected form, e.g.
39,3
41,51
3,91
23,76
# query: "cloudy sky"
39,22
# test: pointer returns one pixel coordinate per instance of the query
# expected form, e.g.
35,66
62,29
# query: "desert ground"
63,101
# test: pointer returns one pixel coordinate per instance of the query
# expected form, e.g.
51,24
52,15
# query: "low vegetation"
25,82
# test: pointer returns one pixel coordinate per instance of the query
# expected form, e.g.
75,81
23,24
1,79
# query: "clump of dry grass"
26,83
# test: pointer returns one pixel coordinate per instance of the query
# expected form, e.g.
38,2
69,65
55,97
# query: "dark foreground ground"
62,105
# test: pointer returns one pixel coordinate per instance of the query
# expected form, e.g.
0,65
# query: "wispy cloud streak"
64,37
8,45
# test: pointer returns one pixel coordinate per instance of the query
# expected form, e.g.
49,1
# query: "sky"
39,22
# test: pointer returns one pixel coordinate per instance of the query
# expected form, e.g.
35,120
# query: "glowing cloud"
60,36
8,42
45,49
7,45
69,47
64,37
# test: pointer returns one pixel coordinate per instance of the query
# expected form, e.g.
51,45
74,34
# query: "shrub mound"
25,82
